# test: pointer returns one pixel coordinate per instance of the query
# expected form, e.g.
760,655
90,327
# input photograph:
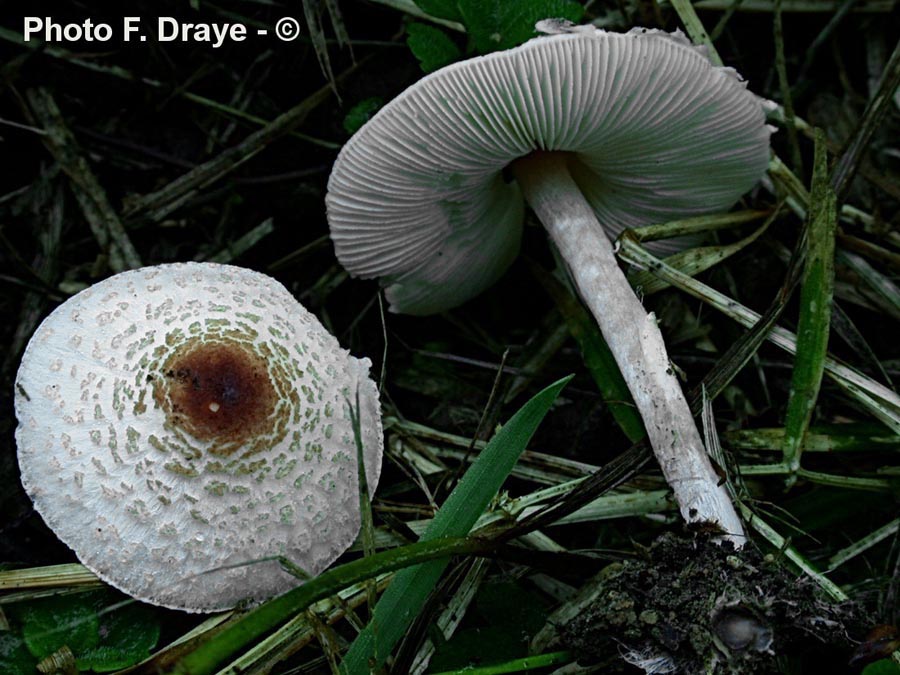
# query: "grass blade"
886,293
829,438
366,525
693,261
51,576
698,224
256,623
517,665
781,69
864,544
878,399
695,29
816,295
791,553
311,11
247,241
406,595
452,615
878,106
95,204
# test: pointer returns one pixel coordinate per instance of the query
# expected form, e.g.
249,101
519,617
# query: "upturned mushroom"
601,131
182,426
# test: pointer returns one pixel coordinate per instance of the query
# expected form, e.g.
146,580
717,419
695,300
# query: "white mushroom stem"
632,336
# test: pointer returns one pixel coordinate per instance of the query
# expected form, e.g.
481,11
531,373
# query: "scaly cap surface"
176,422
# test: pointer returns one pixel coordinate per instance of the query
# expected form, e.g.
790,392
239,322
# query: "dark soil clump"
694,606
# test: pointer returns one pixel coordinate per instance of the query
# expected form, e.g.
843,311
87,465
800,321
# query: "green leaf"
101,631
883,667
69,620
695,29
361,113
128,634
526,664
432,46
507,602
508,615
501,24
815,308
442,9
15,659
476,646
405,597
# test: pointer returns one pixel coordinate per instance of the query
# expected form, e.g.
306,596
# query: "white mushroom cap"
418,195
176,422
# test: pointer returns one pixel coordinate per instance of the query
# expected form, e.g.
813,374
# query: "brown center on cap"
218,390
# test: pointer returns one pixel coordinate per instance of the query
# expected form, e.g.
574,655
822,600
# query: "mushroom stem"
633,337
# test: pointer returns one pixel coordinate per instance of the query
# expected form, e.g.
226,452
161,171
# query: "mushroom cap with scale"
182,425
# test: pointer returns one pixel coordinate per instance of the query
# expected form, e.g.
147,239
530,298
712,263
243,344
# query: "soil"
690,605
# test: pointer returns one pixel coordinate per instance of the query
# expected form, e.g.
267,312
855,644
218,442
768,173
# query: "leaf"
52,623
501,24
361,113
431,46
505,617
15,659
882,667
815,309
442,9
405,597
127,634
337,23
103,633
472,647
695,29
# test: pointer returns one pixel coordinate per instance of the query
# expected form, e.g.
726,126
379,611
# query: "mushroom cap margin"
137,499
417,196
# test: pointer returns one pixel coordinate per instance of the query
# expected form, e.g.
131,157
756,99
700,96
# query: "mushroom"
599,130
183,426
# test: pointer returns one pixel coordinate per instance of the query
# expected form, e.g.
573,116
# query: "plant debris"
694,606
